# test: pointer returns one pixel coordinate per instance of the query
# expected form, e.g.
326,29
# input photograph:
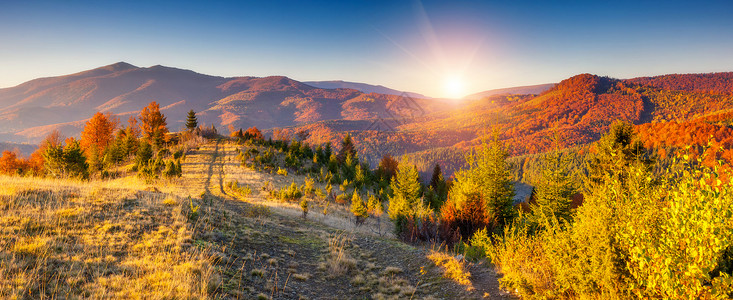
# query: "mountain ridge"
576,110
363,87
272,101
518,90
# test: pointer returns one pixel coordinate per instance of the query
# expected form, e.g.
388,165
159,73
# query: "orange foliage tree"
253,133
153,123
9,163
98,132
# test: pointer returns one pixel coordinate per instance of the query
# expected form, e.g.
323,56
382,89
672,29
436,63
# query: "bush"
178,154
645,236
172,169
150,170
290,193
241,191
342,198
308,188
304,207
281,171
418,228
462,224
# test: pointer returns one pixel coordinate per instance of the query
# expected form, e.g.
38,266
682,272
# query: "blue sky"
439,48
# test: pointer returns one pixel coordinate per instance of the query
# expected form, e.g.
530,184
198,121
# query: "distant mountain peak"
118,66
585,82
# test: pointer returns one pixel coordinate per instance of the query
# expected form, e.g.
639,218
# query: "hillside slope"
194,237
574,111
31,110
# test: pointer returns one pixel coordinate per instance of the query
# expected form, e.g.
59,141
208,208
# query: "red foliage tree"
253,133
388,166
9,163
98,132
153,122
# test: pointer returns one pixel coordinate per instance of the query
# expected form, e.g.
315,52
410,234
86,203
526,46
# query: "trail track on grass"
263,247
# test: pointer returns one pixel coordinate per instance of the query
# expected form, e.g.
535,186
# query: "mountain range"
31,110
381,120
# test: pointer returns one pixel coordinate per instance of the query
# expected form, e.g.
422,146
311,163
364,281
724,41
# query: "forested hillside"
574,112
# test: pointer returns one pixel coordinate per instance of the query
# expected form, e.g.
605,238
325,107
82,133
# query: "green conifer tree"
554,190
191,121
615,152
405,193
488,175
358,208
439,187
347,148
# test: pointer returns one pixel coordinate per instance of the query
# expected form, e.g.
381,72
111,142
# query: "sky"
437,48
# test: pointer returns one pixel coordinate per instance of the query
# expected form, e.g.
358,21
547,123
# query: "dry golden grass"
452,268
99,239
228,169
123,238
338,261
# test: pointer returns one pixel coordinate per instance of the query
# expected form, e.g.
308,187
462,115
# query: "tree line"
104,145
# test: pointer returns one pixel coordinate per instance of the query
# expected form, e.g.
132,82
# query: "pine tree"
347,148
374,205
615,151
439,187
53,160
191,121
488,175
116,151
304,207
144,154
554,190
132,134
66,161
358,208
327,152
157,140
405,192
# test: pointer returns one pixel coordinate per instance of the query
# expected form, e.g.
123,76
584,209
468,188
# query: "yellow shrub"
170,201
636,236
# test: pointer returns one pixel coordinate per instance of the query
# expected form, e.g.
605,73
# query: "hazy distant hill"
30,110
362,87
22,149
520,90
701,83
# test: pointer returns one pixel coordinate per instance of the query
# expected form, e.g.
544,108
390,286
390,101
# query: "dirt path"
265,249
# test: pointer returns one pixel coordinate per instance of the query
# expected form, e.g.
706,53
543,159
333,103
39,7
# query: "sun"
453,87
